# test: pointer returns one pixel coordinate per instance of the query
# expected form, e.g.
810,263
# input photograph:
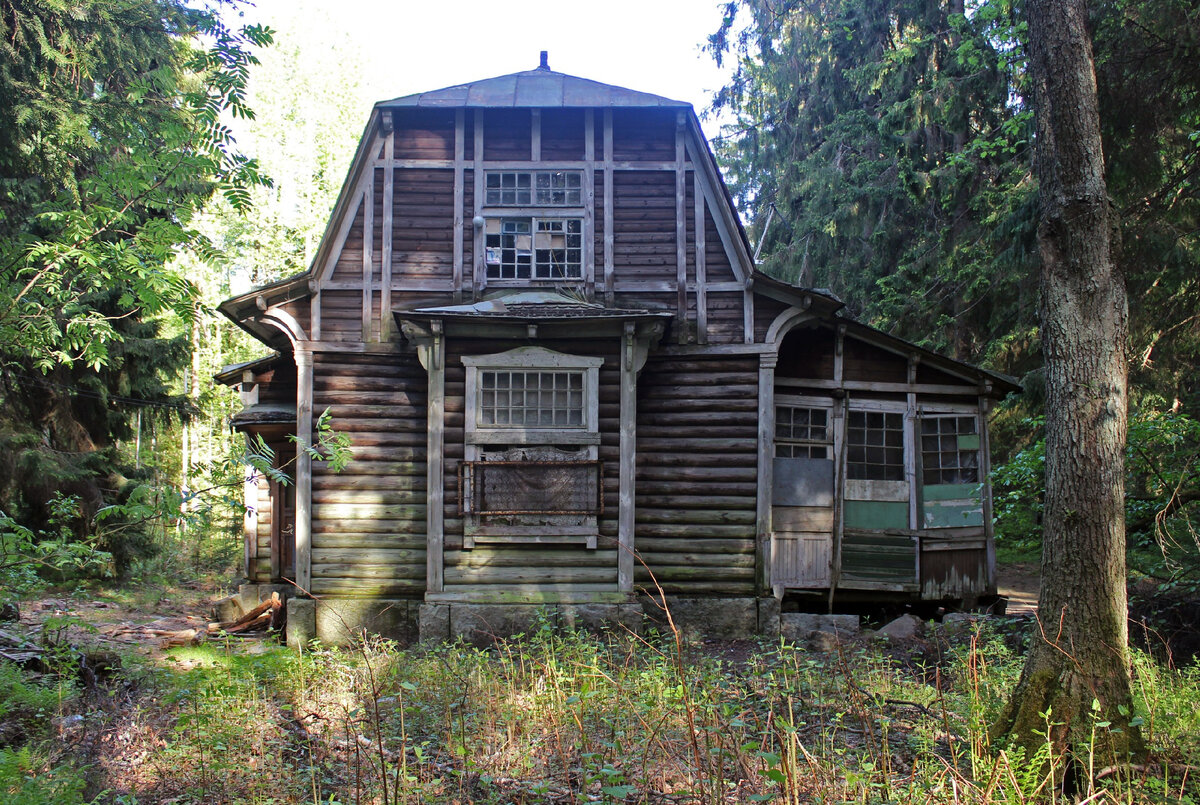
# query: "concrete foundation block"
717,618
600,618
481,624
301,622
768,617
433,623
342,620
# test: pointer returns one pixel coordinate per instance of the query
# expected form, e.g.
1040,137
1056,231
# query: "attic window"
534,188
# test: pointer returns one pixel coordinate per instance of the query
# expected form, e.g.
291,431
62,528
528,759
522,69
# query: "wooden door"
802,496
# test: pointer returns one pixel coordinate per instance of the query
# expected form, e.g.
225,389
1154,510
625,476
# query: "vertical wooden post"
628,458
304,424
535,135
460,150
368,253
840,411
589,203
681,333
385,274
766,469
479,271
912,450
435,364
608,206
985,492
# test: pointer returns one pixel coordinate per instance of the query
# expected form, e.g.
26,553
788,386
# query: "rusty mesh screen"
533,487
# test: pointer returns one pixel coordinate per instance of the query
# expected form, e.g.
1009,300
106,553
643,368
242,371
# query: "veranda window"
802,432
875,446
949,450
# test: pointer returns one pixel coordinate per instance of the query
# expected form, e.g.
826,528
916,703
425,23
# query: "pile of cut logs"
270,613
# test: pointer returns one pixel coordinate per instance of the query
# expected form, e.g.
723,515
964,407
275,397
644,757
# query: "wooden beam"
608,206
701,267
985,474
535,135
912,456
304,422
368,254
628,459
460,150
479,269
385,274
589,204
766,466
433,356
250,522
681,329
879,386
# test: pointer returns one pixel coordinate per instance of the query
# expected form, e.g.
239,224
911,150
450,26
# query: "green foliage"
114,142
26,778
884,133
1162,489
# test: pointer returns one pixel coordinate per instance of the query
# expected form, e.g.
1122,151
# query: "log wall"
697,430
572,568
368,530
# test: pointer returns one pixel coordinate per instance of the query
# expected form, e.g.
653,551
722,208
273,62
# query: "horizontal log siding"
644,226
349,263
261,565
491,565
369,520
423,225
766,310
697,430
341,313
424,134
644,134
865,361
506,134
716,260
807,353
562,134
726,316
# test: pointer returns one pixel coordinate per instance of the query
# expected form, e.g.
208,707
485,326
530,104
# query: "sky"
407,47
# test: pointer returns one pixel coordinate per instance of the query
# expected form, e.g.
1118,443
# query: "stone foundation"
482,624
337,621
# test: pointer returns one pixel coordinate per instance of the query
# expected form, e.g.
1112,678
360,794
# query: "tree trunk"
1078,666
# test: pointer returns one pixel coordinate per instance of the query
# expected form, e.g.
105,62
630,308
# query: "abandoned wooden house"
536,314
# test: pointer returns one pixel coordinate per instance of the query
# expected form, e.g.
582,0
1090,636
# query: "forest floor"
549,718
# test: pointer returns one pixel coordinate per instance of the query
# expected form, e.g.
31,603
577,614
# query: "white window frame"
481,439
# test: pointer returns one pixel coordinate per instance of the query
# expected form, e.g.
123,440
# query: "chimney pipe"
545,64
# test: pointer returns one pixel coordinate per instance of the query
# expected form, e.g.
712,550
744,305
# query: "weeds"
571,718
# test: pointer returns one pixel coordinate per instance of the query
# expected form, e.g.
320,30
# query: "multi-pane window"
534,248
534,188
950,450
531,399
875,446
801,432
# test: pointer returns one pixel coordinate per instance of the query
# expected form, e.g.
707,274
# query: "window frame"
899,410
948,413
571,443
533,188
810,405
535,216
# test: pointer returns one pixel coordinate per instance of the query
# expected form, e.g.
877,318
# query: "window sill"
531,535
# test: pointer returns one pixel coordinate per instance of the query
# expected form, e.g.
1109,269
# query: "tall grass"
572,718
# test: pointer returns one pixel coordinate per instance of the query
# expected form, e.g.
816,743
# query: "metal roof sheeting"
534,88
